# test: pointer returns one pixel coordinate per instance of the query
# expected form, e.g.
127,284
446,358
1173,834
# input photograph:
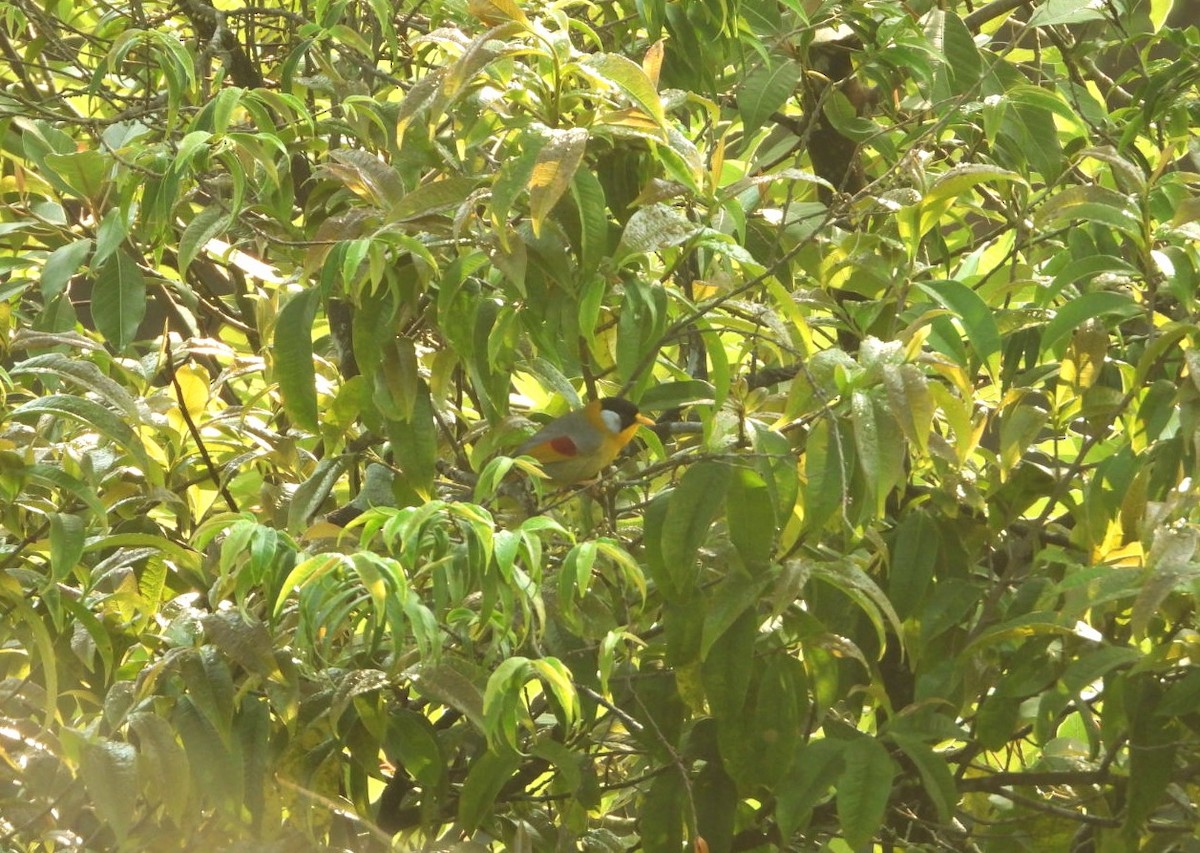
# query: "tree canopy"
909,560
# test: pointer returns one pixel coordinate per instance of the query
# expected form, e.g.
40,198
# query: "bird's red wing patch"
563,445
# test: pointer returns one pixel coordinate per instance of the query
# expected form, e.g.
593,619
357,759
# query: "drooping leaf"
863,789
119,300
553,171
690,512
750,516
766,89
293,358
977,318
109,770
630,78
61,264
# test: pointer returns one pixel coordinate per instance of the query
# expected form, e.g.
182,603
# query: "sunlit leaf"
553,171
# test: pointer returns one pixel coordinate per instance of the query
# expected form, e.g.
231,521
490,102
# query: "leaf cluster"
909,559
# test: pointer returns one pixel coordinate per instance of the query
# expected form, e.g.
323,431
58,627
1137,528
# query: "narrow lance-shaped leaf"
119,300
863,789
1086,307
94,415
690,512
751,519
976,316
556,164
825,473
910,402
766,89
61,265
294,358
204,226
109,770
631,78
880,456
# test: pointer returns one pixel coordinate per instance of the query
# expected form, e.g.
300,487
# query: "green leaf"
935,774
56,478
716,801
1095,204
412,743
814,770
962,59
1071,316
880,456
445,683
910,402
692,508
414,441
61,264
497,11
215,762
119,300
661,816
654,227
950,185
93,415
780,709
85,374
1083,268
750,517
1020,426
630,78
433,197
588,193
553,171
1153,744
766,89
243,639
861,588
210,687
109,770
86,172
863,788
728,666
96,631
503,703
486,777
825,472
996,721
976,316
293,358
66,544
776,464
1166,577
555,676
162,763
204,226
311,494
914,557
1055,12
669,395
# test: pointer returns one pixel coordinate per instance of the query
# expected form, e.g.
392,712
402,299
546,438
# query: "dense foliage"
911,557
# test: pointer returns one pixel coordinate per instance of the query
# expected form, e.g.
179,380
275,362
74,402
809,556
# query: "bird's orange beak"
645,421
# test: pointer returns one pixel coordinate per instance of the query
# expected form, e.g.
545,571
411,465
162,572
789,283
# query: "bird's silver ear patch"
611,420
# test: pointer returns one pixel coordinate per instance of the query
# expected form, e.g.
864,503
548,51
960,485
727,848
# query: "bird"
578,445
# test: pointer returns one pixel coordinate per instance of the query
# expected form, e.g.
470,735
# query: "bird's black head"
622,408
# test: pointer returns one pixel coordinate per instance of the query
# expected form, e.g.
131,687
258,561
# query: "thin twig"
213,473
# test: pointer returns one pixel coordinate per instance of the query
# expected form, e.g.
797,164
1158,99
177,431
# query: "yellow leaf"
194,384
652,61
496,12
556,165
